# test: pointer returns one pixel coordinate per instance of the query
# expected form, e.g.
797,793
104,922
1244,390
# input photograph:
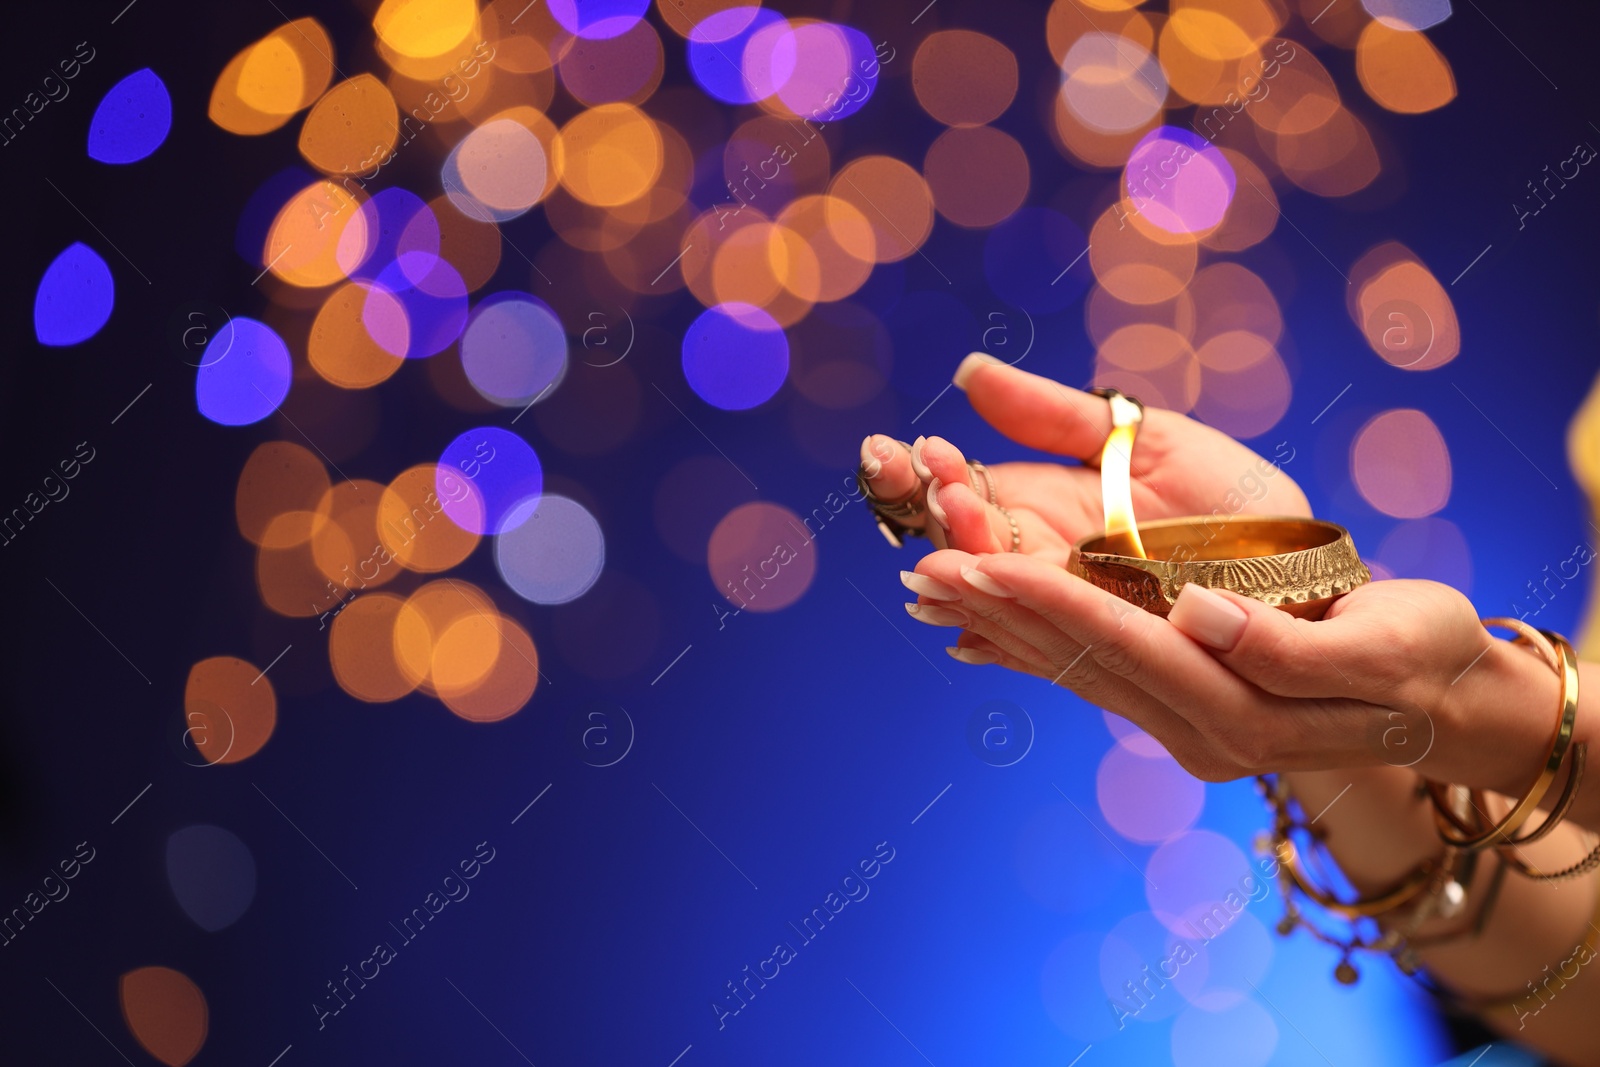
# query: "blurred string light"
250,380
132,119
805,254
230,710
268,82
165,1012
74,298
212,875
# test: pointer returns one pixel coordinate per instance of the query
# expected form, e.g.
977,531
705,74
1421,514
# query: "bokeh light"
1406,315
717,46
598,18
353,127
230,709
417,306
412,525
1434,549
498,171
247,383
361,649
165,1012
1112,84
830,69
1402,70
424,28
1408,14
624,68
212,875
514,349
268,82
74,298
344,539
1147,799
978,175
761,557
508,684
279,477
1400,463
314,231
1191,873
553,556
610,155
484,477
1133,265
1178,181
132,119
735,357
893,198
963,78
340,347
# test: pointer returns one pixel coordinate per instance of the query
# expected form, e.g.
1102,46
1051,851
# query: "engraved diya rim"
1298,565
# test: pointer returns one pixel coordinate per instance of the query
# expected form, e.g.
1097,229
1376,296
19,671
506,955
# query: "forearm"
1531,946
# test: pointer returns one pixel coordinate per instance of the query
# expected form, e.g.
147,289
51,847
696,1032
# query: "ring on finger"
1016,531
892,514
976,470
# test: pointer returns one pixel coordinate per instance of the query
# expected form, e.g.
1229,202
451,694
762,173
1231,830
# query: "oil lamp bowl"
1299,565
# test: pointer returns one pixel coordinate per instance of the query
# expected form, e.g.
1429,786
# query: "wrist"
1496,721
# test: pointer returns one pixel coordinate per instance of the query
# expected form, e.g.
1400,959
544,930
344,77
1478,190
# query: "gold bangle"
1387,900
1554,647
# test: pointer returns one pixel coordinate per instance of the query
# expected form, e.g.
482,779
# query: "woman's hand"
1399,672
1180,467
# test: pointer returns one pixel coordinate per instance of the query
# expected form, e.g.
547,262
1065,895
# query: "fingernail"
978,657
937,615
969,366
1208,618
922,585
934,508
916,460
984,583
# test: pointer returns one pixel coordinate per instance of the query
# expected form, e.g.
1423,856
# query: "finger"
1125,640
1001,620
967,521
939,604
1047,485
1281,654
1039,412
886,467
980,652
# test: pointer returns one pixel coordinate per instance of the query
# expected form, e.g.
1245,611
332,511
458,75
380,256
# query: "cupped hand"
1398,672
1180,467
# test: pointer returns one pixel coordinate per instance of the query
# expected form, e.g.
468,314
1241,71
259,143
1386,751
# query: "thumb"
1270,648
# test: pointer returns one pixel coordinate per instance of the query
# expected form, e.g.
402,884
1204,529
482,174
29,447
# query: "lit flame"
1116,477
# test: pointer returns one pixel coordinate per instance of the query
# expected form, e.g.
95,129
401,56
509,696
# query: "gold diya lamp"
1298,565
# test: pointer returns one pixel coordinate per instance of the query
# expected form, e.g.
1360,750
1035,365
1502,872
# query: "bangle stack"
1389,919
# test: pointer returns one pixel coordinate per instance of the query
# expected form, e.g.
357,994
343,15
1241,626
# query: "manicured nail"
916,460
922,585
937,615
984,583
978,657
969,366
935,509
871,466
1208,618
